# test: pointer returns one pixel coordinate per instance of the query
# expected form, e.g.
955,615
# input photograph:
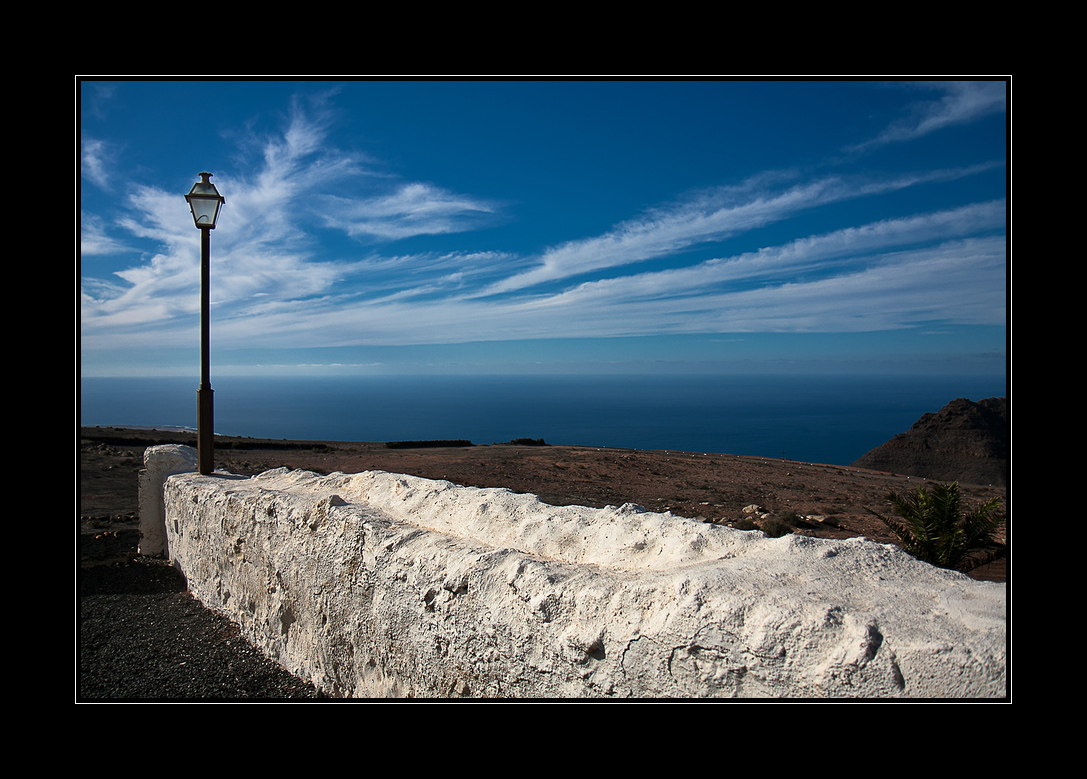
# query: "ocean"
823,419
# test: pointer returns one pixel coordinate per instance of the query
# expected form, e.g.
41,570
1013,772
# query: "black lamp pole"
205,202
205,404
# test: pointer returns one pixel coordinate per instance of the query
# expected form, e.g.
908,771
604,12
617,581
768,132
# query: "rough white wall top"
397,585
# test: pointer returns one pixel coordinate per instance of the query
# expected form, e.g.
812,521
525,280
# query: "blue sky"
382,226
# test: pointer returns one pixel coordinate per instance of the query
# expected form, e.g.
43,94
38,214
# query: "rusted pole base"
205,427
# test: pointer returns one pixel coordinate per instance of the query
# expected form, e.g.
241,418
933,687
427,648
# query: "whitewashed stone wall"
159,463
378,584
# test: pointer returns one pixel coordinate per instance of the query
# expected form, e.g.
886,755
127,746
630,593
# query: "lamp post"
205,201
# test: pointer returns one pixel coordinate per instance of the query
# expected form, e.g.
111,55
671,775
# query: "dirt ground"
710,487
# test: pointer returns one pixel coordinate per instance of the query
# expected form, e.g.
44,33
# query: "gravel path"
143,637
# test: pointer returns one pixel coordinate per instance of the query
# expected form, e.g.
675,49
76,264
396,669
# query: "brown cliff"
965,441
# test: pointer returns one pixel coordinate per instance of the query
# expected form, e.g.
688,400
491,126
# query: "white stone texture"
377,584
159,463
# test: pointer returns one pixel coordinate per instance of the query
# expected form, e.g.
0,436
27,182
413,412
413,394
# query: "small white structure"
159,463
377,584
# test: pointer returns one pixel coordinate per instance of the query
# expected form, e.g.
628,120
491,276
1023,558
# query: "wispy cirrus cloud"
95,158
95,239
278,280
943,267
829,253
411,209
706,217
268,258
709,217
825,281
958,103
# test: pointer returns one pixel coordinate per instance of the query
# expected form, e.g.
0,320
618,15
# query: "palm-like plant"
934,528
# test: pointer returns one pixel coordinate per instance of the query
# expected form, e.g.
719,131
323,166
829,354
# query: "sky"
386,226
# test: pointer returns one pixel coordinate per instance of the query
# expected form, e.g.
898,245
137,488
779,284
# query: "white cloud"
831,252
95,240
712,216
272,287
411,209
960,102
882,275
957,281
262,258
95,158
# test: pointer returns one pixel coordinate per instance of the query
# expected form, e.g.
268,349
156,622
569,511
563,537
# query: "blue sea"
823,419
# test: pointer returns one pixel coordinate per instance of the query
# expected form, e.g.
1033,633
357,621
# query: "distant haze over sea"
827,419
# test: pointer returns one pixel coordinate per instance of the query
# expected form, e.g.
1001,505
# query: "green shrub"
934,528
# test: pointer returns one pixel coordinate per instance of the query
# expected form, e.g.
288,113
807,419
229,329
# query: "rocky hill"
965,441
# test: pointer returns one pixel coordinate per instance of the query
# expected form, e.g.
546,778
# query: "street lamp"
205,202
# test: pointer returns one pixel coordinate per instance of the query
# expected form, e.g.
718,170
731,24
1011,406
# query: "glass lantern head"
205,202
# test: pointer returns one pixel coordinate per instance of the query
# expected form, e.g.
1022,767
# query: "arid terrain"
814,499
